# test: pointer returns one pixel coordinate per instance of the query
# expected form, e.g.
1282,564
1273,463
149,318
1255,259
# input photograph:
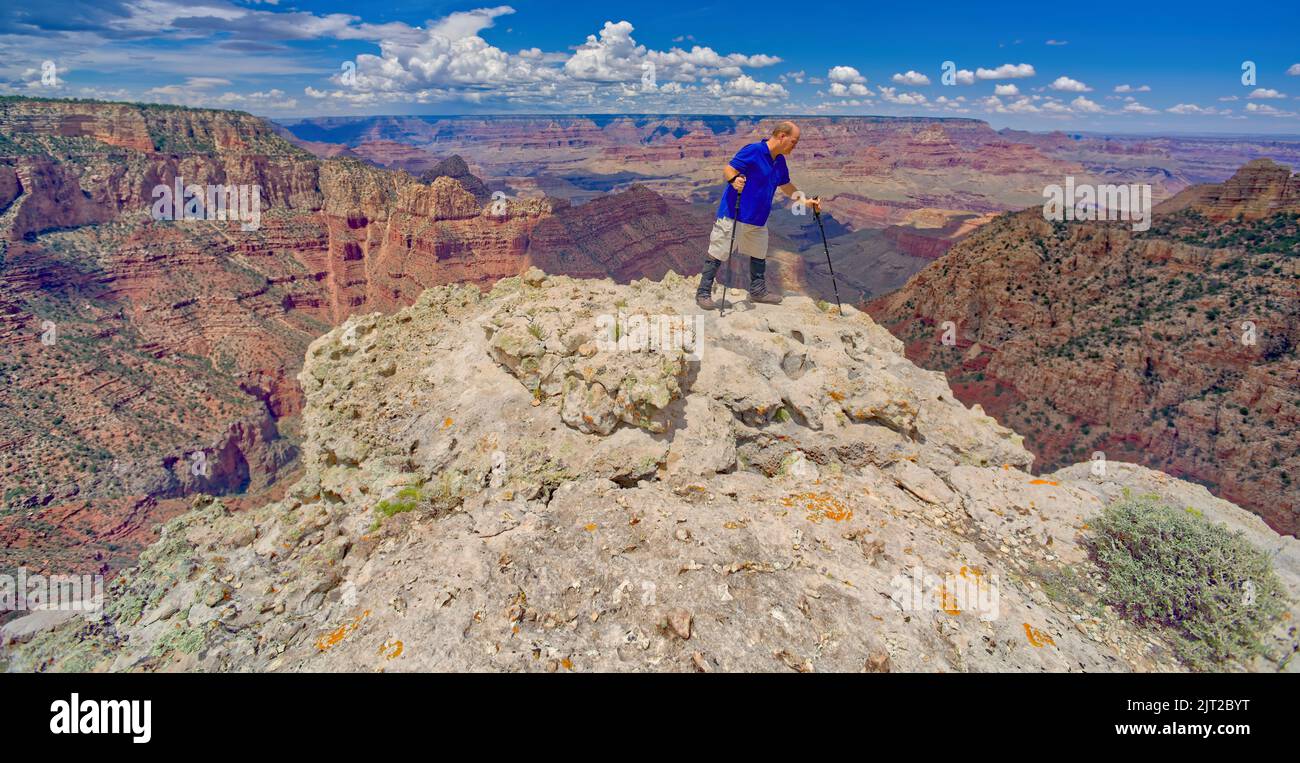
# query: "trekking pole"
818,214
731,249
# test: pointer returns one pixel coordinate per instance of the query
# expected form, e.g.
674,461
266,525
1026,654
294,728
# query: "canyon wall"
149,359
1175,347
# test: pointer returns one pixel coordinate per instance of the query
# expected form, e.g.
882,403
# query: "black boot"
704,294
758,286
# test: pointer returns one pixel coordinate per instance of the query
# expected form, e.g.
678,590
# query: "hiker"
754,173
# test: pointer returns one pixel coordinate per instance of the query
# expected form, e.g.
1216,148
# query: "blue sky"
1126,67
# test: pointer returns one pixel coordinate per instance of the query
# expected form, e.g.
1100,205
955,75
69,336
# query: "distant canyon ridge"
901,191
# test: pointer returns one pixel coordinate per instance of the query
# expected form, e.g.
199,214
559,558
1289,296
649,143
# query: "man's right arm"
730,174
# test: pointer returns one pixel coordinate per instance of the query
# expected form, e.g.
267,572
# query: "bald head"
785,136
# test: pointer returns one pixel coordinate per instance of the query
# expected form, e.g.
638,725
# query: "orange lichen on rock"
1037,638
820,506
336,636
948,600
391,650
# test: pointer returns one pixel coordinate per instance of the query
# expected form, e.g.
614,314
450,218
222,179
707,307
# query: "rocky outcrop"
455,168
120,125
1259,189
1175,348
507,482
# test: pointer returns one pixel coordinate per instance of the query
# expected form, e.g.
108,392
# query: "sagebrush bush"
1168,567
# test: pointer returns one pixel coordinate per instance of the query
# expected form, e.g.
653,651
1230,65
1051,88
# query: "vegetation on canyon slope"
1170,568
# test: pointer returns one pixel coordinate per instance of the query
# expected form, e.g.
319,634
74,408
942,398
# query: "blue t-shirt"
763,175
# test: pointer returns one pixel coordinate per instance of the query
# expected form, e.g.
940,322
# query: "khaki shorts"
751,240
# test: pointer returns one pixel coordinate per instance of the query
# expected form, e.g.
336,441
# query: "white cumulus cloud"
451,61
845,75
1069,85
1006,71
892,95
1265,109
915,79
1085,106
841,90
1137,108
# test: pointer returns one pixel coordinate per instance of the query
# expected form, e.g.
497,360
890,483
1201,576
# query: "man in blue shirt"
754,174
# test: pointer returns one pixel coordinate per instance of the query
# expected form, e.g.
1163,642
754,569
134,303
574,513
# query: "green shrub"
186,640
1170,568
406,500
